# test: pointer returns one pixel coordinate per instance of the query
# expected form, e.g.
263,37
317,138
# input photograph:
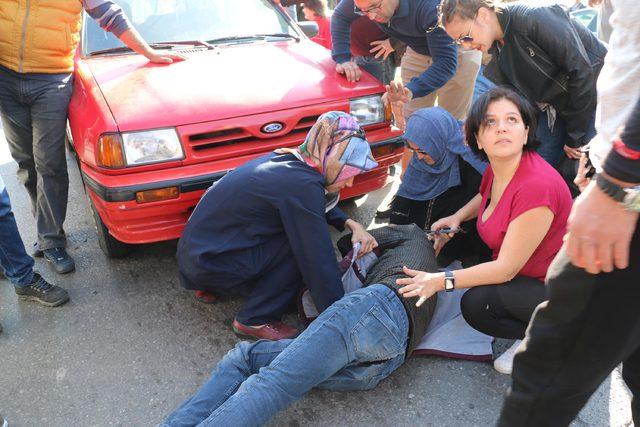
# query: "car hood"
226,82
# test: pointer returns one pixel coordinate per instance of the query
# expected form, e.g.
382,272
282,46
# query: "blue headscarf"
436,132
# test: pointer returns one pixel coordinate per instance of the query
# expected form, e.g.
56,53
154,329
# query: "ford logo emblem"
272,127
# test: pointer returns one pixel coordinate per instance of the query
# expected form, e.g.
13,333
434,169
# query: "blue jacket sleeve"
443,53
304,222
341,21
336,218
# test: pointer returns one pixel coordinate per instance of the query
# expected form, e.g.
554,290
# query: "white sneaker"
504,363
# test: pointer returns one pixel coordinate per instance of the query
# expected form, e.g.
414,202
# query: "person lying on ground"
353,345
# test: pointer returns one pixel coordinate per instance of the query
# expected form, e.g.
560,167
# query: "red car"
150,139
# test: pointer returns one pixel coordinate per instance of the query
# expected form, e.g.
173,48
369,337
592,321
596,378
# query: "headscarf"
336,146
436,132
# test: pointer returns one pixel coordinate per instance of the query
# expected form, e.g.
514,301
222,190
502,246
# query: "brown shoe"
270,331
206,297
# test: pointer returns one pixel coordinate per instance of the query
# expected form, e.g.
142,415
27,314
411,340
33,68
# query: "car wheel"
112,247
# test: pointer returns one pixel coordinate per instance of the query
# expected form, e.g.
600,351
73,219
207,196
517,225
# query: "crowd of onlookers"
520,184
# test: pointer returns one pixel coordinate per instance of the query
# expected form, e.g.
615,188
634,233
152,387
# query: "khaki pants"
455,96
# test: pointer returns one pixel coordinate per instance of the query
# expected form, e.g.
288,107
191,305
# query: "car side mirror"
309,28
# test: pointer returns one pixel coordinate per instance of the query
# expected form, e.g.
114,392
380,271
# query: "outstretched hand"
420,284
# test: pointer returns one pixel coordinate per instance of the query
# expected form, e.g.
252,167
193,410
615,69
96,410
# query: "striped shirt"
108,15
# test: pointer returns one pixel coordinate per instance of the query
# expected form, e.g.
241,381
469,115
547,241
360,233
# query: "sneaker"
504,363
41,291
270,331
206,297
60,260
3,422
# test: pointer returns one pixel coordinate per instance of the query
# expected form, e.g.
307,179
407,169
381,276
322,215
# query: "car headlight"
368,110
151,146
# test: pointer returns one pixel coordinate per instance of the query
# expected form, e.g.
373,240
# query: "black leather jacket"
551,58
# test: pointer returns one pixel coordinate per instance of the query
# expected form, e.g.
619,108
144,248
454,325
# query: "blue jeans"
17,265
34,116
353,345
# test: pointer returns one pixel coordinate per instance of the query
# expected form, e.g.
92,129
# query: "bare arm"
523,237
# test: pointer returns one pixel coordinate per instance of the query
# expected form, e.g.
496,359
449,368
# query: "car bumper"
132,222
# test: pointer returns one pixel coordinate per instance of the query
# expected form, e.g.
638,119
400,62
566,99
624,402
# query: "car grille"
242,138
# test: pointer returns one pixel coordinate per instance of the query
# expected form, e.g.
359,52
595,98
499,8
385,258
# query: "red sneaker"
206,297
270,331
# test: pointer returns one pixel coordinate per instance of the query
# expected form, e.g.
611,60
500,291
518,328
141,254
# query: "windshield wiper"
182,43
158,45
253,37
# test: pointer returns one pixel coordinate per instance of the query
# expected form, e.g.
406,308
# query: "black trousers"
503,311
590,324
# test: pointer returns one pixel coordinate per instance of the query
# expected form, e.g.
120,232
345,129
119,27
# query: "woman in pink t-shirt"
522,210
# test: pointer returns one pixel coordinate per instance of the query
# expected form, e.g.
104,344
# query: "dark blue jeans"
17,265
353,345
34,116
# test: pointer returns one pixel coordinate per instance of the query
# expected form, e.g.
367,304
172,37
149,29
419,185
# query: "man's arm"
341,21
111,18
600,229
444,54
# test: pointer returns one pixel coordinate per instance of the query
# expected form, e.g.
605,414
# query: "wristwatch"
627,197
449,281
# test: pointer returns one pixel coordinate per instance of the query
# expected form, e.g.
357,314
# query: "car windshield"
213,21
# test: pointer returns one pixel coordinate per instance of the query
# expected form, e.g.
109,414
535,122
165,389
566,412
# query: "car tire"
112,247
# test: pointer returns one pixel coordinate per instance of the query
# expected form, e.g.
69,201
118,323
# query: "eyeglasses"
416,150
468,38
365,12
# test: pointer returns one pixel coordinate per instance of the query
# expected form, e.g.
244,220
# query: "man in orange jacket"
38,41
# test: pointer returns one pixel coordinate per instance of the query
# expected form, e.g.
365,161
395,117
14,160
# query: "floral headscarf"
336,147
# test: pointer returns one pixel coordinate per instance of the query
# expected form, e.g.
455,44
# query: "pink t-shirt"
534,184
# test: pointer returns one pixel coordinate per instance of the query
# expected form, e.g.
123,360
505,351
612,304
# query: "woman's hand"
581,180
420,284
396,97
440,240
572,153
361,235
382,48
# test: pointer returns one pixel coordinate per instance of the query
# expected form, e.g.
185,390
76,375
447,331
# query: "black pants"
590,324
503,311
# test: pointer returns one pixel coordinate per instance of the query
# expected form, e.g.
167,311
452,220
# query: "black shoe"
60,260
41,291
383,213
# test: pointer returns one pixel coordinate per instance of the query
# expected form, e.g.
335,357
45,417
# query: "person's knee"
474,305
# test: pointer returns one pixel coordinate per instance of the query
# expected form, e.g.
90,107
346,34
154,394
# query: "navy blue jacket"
273,196
416,24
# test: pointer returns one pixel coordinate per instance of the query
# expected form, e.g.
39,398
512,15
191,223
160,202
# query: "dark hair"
319,7
466,9
477,116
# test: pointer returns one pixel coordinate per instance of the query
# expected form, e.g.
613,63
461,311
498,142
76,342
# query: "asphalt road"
132,344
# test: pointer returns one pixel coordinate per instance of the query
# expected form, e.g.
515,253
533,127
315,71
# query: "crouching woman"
521,210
